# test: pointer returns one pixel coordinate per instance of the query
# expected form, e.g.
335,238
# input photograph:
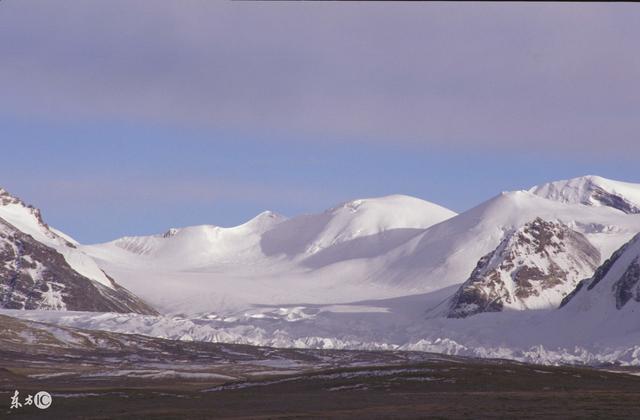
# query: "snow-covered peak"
595,191
445,254
36,276
263,221
358,250
28,220
192,246
7,198
309,234
268,236
25,217
534,267
259,224
406,205
373,215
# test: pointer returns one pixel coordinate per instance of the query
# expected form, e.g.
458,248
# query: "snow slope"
193,247
272,235
447,253
28,219
327,257
307,235
365,249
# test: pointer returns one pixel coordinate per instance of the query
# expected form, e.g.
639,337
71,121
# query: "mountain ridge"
534,267
44,269
361,249
336,285
593,190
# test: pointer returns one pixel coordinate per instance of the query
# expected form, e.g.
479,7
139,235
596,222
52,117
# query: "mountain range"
364,249
566,247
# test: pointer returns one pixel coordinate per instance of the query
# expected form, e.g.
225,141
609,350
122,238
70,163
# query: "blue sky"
101,181
129,117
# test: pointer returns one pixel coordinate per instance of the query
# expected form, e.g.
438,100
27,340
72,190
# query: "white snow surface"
364,249
329,257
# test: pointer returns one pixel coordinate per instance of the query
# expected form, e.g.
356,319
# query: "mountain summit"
41,268
534,267
593,191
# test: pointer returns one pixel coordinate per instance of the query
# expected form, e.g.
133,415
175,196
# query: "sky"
129,117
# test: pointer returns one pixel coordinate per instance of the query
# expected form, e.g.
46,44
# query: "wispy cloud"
491,75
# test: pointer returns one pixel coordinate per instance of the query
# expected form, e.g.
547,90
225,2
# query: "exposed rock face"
613,200
534,267
6,198
628,285
618,279
35,276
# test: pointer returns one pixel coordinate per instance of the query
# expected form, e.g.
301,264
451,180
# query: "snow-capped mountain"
365,249
28,220
593,191
534,267
272,236
41,268
307,235
195,246
327,257
446,254
365,273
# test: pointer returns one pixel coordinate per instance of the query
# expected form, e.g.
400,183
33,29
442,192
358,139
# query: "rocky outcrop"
616,201
534,267
36,276
615,282
628,286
